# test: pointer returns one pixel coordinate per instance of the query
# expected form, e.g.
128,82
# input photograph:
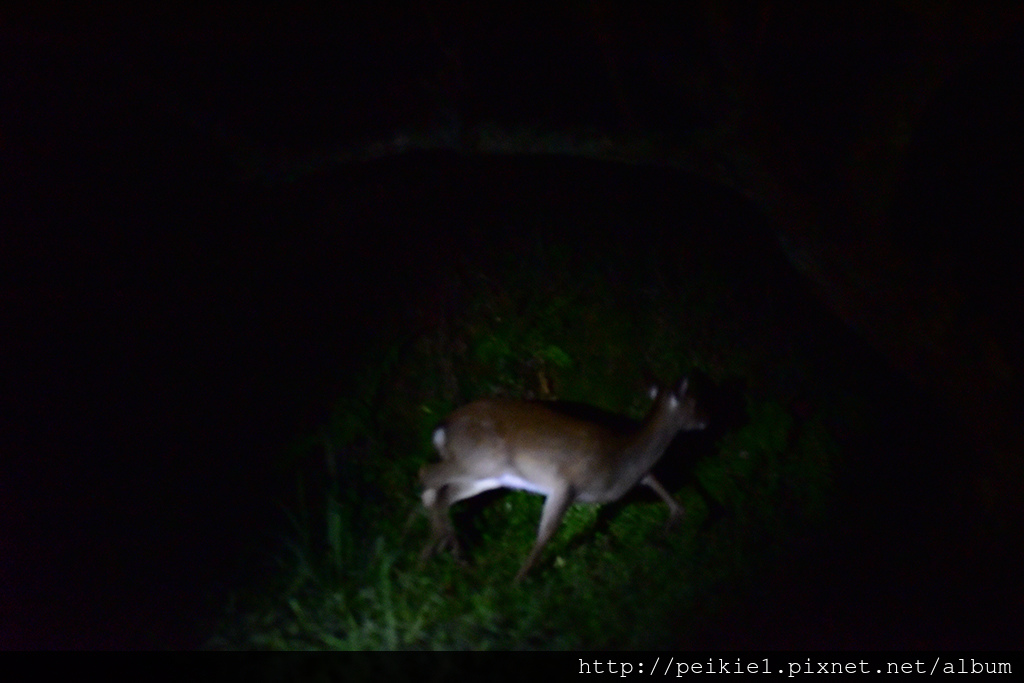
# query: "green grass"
542,325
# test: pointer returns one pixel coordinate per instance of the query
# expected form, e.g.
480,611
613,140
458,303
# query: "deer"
517,444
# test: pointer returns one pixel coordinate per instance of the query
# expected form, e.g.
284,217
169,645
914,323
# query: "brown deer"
499,442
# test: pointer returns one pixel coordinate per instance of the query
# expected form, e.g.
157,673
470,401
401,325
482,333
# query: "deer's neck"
638,455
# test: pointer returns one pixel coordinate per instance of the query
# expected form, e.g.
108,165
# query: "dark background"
186,195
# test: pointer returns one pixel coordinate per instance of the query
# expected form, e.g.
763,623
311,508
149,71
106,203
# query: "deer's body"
504,443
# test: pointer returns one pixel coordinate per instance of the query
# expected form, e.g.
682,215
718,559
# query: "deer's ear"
650,382
683,385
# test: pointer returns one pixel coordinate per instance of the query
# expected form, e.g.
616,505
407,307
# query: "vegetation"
549,323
